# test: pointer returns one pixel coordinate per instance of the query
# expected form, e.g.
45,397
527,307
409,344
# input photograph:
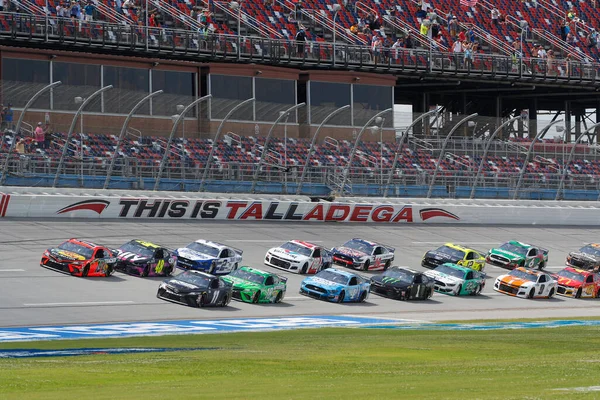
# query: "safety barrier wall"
111,206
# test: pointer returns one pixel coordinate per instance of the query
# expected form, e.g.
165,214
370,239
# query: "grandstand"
237,52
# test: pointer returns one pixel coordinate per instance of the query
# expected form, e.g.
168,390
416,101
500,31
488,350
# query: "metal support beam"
172,134
401,143
312,144
33,98
369,122
72,128
266,145
485,152
538,137
559,194
214,143
437,165
122,135
567,121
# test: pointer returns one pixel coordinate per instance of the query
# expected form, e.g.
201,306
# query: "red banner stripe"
5,199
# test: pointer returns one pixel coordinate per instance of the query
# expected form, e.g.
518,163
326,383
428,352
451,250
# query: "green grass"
319,363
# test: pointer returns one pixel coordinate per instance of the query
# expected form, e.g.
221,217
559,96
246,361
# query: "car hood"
193,254
442,277
511,280
325,284
391,282
584,257
183,287
287,254
508,254
349,252
239,283
131,257
60,254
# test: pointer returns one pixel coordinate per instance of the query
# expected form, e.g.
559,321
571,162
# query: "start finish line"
87,331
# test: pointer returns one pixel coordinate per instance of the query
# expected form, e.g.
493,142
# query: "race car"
80,258
513,254
212,257
457,280
299,256
526,283
364,254
577,283
196,289
255,286
336,286
402,284
455,254
587,257
144,259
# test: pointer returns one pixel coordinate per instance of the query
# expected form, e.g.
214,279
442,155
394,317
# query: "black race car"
196,289
141,258
587,257
402,284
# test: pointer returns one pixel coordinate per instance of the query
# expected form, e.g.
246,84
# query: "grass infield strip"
319,364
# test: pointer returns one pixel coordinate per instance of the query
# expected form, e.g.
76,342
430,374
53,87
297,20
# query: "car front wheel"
341,297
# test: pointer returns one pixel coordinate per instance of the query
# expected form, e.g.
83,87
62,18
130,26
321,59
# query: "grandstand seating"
369,155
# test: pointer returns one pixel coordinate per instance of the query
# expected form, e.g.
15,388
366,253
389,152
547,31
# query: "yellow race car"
453,253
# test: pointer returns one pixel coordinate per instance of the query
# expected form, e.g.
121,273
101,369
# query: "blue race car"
212,257
336,286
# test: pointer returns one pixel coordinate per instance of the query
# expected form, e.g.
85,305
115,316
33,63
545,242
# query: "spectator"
495,16
8,117
564,30
39,135
422,13
20,146
408,41
461,36
75,11
592,38
453,27
398,44
425,23
354,29
542,52
89,11
300,41
551,70
47,135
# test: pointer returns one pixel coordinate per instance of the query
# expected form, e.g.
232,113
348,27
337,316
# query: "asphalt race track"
32,295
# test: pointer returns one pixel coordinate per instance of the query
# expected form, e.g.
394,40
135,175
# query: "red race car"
577,283
80,258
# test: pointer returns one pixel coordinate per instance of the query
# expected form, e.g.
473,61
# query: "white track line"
263,241
84,303
12,270
465,243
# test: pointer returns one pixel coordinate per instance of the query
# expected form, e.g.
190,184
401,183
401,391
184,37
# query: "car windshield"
248,276
77,248
517,273
520,250
296,248
571,275
204,249
333,277
444,269
591,250
454,253
194,278
400,274
359,245
136,248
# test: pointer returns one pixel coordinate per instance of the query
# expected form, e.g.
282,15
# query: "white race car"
299,256
212,257
526,283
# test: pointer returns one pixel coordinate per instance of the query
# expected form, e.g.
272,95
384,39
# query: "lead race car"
455,254
299,256
336,286
364,254
587,257
402,284
513,254
141,258
80,258
212,257
255,286
195,289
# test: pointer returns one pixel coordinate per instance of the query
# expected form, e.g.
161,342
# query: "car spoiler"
283,278
239,251
545,251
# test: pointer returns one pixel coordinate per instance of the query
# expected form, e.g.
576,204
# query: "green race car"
457,280
255,286
513,254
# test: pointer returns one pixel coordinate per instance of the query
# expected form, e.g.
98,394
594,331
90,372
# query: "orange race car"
577,283
80,258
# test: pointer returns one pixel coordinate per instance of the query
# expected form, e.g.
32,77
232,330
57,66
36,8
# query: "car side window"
159,254
317,253
214,284
542,279
469,275
353,281
224,253
532,252
378,250
469,256
269,281
589,279
424,280
419,279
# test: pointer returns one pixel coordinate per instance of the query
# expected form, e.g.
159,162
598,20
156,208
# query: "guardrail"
195,45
